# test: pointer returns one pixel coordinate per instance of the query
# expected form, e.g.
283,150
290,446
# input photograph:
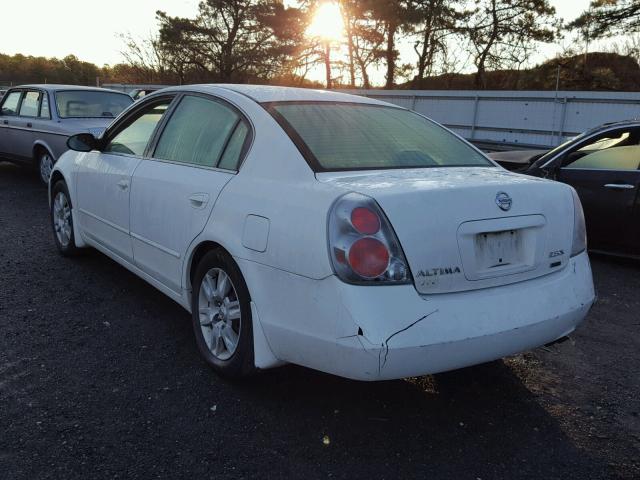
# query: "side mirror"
82,142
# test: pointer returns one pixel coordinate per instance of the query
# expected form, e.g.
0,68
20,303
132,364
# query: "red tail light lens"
369,257
365,221
363,247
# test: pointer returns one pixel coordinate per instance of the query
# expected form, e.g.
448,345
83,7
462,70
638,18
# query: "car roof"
609,125
53,87
271,93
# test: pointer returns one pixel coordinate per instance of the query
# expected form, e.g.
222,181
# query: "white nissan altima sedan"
332,231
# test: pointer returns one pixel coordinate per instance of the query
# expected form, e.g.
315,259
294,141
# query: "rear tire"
221,315
62,220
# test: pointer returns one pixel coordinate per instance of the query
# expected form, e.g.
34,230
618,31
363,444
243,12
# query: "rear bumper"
380,333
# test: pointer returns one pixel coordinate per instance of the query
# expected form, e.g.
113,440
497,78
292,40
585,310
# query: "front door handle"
199,200
29,125
123,184
6,122
619,186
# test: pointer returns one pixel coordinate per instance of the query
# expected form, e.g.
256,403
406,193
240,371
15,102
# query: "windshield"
351,136
88,103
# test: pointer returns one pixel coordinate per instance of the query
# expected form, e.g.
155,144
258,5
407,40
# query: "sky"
91,29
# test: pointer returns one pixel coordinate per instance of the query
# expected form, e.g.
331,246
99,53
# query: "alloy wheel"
46,167
62,219
219,313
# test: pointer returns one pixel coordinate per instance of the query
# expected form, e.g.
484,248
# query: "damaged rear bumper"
388,332
463,329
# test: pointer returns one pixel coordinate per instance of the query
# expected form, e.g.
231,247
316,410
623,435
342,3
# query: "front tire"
62,219
45,166
221,315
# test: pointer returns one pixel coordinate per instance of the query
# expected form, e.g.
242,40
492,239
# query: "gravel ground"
100,378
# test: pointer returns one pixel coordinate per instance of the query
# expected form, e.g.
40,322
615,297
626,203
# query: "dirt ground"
100,378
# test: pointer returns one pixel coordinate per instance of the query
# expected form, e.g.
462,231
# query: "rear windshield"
350,136
91,104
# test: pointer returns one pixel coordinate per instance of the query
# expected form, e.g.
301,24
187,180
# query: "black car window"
10,104
197,132
617,150
133,139
29,105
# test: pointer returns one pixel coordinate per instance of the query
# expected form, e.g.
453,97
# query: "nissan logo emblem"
503,200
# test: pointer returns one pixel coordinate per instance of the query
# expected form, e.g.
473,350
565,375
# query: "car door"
104,178
23,132
605,172
173,192
9,114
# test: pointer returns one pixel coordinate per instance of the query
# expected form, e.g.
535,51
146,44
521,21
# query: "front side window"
197,132
29,106
10,105
134,138
91,104
618,150
350,136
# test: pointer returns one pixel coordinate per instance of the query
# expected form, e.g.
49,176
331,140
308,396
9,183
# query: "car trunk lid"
466,228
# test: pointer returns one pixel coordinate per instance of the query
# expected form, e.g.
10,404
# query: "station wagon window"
29,106
44,107
10,105
352,136
91,103
617,150
197,132
134,138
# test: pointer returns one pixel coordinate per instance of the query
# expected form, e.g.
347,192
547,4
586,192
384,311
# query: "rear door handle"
123,184
29,125
199,200
619,186
6,122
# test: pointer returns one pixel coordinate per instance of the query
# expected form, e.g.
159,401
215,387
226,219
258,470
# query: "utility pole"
327,62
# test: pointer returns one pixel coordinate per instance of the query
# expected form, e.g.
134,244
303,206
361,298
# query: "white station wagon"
327,230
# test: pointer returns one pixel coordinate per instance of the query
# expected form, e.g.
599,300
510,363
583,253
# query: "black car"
603,165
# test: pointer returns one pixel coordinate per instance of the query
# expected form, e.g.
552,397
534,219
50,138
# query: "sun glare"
327,22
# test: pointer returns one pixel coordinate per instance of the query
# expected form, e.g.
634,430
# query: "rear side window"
197,132
133,139
10,105
29,106
349,136
232,154
44,107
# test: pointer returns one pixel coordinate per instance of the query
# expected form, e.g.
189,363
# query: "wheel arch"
39,146
263,355
197,254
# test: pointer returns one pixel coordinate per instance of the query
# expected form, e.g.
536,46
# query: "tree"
365,34
394,16
496,26
609,17
433,22
233,40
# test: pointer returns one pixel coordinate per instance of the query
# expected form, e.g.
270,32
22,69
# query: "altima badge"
503,200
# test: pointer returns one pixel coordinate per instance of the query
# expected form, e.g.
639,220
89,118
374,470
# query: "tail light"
363,247
579,243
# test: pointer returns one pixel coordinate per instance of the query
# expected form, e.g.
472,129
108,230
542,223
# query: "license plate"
497,249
